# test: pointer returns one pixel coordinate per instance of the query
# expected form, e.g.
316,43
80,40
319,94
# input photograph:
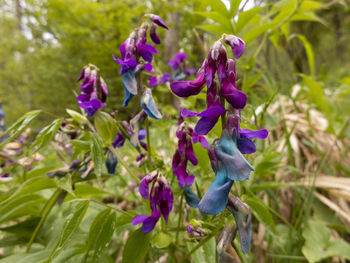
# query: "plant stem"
45,212
180,218
149,155
201,243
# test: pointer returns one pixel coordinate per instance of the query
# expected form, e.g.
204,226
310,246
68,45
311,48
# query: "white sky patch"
250,4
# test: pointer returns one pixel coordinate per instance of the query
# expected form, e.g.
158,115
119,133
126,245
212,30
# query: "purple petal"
148,67
157,20
205,124
261,134
211,112
146,51
235,97
138,219
153,81
142,134
119,140
174,64
180,56
188,88
150,222
237,45
153,35
246,146
165,78
122,50
83,97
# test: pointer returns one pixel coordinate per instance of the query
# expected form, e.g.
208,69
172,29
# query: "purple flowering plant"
102,149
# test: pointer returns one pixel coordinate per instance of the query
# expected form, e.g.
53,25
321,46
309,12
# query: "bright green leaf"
136,247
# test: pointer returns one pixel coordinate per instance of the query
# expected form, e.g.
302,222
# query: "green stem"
123,163
180,218
149,155
45,212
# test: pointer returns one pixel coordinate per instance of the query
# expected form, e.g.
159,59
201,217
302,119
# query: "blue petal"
191,198
130,82
149,106
215,199
246,146
127,97
243,221
235,165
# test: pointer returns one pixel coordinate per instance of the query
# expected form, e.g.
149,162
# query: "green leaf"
217,6
234,5
106,127
253,33
310,5
97,153
222,20
76,116
260,211
217,29
161,240
101,232
31,186
71,225
252,80
204,254
20,125
245,17
46,135
136,247
24,205
309,53
319,246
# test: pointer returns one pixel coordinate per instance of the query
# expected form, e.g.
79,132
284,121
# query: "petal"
127,97
149,106
153,34
130,82
205,124
190,154
246,146
237,45
191,198
111,163
148,67
142,134
235,97
138,219
119,140
157,20
232,161
261,134
215,199
180,56
165,78
146,51
174,64
150,222
188,88
122,50
153,81
242,215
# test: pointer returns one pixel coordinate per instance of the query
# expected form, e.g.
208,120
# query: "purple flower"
153,81
174,64
165,78
161,201
94,90
180,56
185,153
157,20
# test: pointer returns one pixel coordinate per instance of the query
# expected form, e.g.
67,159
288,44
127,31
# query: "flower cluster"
185,153
161,200
94,90
216,62
218,73
136,56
